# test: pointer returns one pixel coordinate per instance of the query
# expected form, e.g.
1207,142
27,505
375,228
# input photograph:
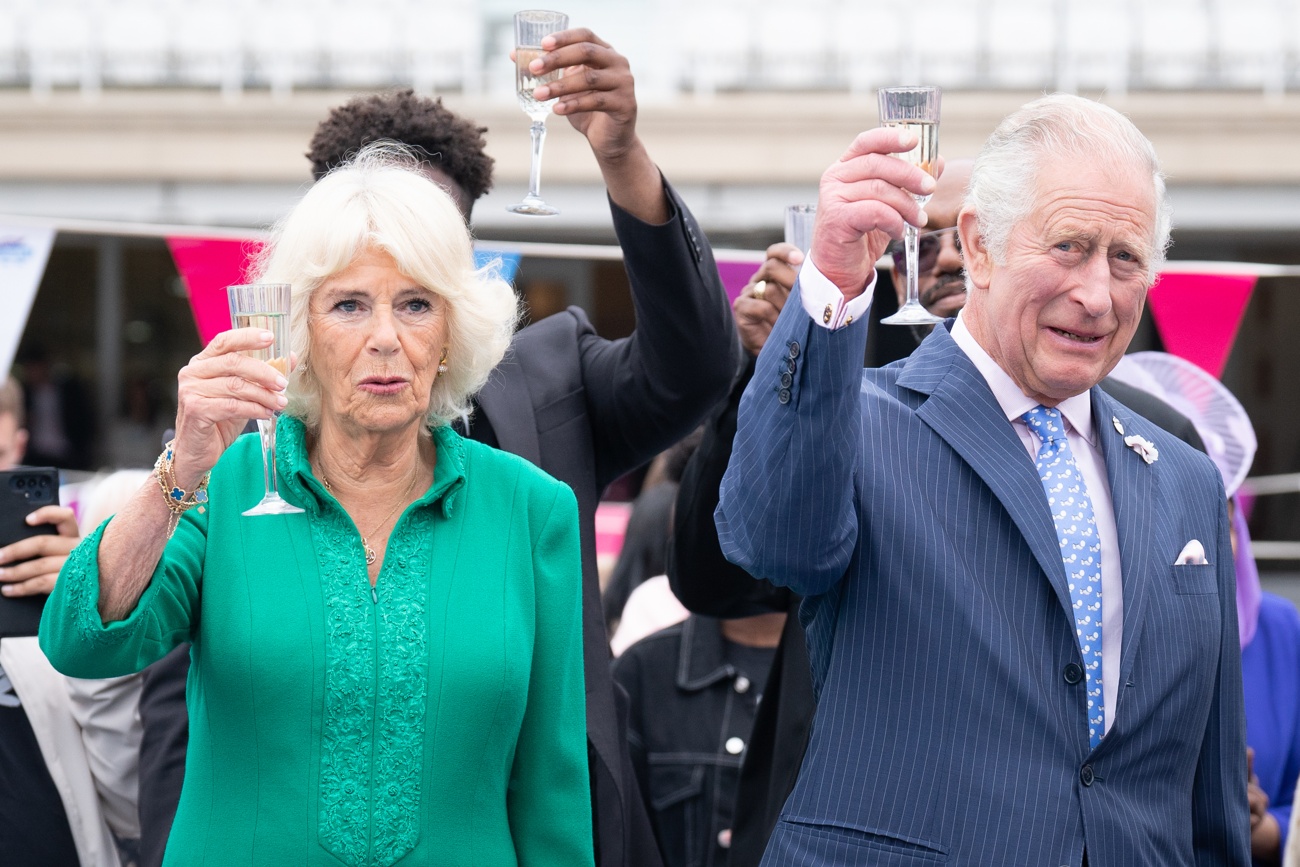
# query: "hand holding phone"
36,536
30,566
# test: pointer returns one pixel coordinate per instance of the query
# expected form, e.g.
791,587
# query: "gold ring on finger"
759,288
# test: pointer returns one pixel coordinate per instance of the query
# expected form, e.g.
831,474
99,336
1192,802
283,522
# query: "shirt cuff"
826,304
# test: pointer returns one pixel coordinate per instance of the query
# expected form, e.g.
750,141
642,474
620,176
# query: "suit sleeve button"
794,349
786,380
1086,775
783,396
1073,673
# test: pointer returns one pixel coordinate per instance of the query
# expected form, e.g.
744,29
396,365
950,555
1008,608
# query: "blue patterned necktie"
1076,528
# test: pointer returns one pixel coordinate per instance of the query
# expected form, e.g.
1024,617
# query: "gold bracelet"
179,501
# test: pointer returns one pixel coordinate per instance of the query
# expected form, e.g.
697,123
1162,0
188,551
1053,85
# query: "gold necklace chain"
371,554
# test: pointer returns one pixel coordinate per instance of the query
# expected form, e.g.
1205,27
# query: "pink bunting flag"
208,266
1198,315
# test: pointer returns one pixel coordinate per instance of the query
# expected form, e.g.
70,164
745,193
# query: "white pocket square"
1193,554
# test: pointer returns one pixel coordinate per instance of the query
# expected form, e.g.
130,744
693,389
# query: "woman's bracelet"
179,501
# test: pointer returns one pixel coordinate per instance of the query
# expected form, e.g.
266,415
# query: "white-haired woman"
393,676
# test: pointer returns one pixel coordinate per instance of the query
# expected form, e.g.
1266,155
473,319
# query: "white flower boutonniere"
1144,447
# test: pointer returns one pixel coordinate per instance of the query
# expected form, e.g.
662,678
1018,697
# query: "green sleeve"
549,800
79,644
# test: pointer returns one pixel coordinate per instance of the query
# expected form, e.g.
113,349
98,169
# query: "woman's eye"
347,305
418,305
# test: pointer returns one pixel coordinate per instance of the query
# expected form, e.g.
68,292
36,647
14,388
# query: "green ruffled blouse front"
329,721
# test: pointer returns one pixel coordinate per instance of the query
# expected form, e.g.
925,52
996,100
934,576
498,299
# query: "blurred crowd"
489,696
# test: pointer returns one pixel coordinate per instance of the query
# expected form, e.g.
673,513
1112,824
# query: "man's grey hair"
1060,126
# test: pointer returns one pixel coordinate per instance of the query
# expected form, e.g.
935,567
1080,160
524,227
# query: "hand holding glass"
266,306
531,27
913,110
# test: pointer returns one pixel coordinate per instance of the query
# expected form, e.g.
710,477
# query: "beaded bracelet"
179,501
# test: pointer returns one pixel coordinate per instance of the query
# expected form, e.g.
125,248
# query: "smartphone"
23,491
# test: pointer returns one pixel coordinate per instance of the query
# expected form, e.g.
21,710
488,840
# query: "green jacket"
439,720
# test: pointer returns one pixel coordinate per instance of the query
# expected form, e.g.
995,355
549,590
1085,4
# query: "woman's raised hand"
218,392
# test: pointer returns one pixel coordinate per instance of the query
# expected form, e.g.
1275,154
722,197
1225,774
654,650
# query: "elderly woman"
393,676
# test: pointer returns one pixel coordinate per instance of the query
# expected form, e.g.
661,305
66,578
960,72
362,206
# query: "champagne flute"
531,26
799,220
266,306
913,110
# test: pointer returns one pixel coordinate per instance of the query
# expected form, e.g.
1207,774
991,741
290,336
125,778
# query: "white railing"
705,45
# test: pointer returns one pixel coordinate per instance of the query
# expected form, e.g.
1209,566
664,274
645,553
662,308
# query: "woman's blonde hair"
380,201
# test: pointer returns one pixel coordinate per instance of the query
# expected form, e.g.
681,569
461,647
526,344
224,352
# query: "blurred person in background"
363,689
694,690
13,424
694,684
643,555
67,748
583,408
60,417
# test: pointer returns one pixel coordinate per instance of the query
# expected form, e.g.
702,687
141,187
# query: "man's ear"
975,252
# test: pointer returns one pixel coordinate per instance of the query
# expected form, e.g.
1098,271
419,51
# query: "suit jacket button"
1073,673
783,396
794,349
786,380
1086,776
790,365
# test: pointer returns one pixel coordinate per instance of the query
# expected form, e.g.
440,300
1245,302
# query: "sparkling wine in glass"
799,220
266,306
531,26
913,110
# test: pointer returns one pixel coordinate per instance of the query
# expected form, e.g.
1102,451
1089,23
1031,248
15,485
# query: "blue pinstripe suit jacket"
902,504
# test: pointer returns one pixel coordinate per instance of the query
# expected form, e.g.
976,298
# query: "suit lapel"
507,403
963,411
1134,488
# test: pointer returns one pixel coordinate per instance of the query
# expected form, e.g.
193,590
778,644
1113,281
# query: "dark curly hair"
439,136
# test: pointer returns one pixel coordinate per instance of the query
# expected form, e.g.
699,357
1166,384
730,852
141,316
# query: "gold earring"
442,362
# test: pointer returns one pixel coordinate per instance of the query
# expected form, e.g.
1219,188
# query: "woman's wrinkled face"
376,339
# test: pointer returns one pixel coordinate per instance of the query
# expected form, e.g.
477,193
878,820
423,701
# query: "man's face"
941,280
13,441
1059,313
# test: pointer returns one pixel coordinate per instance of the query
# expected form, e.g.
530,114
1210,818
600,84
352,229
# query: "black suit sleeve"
704,580
649,390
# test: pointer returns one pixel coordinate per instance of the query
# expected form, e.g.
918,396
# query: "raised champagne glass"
913,110
799,221
266,306
531,27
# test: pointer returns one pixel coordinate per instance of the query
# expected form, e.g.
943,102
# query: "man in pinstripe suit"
971,709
